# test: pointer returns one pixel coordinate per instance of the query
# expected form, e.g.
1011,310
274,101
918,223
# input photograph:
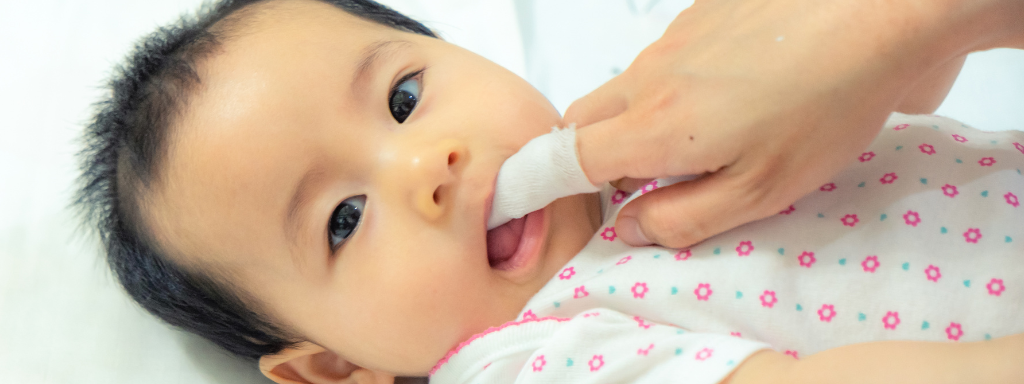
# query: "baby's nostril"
437,196
452,158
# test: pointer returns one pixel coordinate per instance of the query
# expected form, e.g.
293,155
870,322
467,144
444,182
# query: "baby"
307,183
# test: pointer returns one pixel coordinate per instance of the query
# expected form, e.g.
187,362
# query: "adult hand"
768,99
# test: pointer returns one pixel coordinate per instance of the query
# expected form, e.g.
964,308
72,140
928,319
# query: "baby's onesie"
921,238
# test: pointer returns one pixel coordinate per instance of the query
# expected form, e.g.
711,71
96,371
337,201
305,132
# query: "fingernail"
629,231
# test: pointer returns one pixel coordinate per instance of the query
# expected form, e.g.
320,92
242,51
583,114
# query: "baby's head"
310,179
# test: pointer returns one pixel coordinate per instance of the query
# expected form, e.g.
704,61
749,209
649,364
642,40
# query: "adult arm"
768,99
997,361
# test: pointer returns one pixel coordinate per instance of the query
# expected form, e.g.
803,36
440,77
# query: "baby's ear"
308,363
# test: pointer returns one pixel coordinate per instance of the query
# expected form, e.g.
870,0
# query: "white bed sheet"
63,319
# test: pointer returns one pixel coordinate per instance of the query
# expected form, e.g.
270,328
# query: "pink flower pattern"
703,291
539,363
788,210
866,156
870,263
596,363
912,218
828,187
580,292
826,313
683,255
704,354
987,161
624,260
608,234
891,320
645,351
735,334
806,259
641,323
649,187
972,235
888,178
927,149
639,290
954,331
950,190
745,248
1011,199
567,273
995,287
900,127
619,196
933,273
792,354
1019,146
529,315
768,299
850,220
959,138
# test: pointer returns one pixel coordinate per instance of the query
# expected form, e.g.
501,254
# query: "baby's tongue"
503,241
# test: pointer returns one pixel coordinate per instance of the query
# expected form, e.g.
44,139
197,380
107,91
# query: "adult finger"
603,103
686,213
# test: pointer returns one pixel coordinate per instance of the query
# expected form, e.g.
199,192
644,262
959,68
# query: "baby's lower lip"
528,244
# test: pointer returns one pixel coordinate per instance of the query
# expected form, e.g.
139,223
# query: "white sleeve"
604,346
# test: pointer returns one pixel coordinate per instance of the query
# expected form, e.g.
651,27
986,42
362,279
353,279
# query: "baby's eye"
344,220
404,96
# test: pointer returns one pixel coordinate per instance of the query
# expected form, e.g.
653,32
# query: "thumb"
686,213
603,103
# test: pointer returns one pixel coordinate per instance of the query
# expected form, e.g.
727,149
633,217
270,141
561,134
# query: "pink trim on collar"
463,344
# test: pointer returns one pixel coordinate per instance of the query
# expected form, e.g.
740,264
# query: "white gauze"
545,169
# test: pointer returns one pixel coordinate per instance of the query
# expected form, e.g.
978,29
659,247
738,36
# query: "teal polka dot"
906,266
717,251
861,317
730,363
924,181
657,256
557,304
943,230
739,295
967,283
935,126
958,161
1009,239
600,270
782,251
925,325
679,351
821,216
988,337
862,184
842,261
884,216
799,307
679,331
994,142
611,289
568,362
899,147
984,193
675,290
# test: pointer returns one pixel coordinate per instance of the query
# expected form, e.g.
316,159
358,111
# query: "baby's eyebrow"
373,54
299,200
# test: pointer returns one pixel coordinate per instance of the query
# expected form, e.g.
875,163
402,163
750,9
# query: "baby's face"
353,212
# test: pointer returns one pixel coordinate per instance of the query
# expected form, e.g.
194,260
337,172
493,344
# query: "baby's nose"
433,172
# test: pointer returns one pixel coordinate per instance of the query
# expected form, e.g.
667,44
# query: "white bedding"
63,319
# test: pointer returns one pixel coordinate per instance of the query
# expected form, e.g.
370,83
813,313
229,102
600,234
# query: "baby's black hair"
124,145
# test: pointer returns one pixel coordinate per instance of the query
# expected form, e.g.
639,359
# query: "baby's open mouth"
503,242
